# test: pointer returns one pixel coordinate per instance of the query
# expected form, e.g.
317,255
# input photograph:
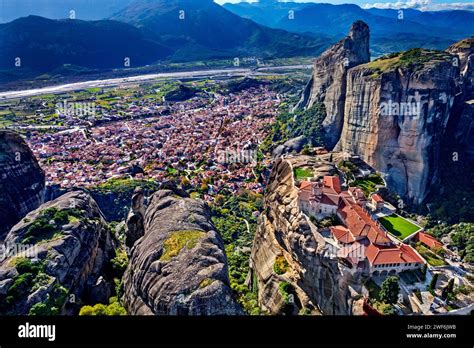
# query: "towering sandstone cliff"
289,259
462,120
179,266
328,83
22,181
397,110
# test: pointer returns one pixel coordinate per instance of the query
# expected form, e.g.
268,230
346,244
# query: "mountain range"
104,35
391,30
145,31
203,29
44,44
60,9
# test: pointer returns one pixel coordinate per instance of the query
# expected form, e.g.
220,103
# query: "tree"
98,309
219,200
389,290
433,282
424,270
306,150
185,182
387,309
448,289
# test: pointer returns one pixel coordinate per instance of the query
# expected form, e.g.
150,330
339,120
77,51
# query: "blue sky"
418,4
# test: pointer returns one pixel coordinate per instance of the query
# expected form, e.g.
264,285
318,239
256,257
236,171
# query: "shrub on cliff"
112,309
281,265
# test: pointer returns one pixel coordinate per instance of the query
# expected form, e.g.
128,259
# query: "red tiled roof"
333,183
428,240
360,223
305,195
394,254
377,198
330,199
342,234
306,185
353,253
329,195
357,192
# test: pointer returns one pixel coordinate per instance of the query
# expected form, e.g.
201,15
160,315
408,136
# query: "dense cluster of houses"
190,136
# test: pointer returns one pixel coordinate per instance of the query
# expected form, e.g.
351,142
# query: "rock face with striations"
464,50
328,83
22,182
290,257
135,218
179,266
397,109
59,251
463,117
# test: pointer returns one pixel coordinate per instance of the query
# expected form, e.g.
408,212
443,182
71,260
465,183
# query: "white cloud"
423,5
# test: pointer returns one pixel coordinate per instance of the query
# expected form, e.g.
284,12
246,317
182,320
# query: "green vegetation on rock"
413,59
120,262
280,266
461,235
230,217
368,184
205,283
178,240
47,226
126,185
429,256
386,308
284,288
114,308
286,291
302,173
53,304
31,277
290,125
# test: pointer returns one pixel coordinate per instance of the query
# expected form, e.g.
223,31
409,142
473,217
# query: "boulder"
63,249
179,266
